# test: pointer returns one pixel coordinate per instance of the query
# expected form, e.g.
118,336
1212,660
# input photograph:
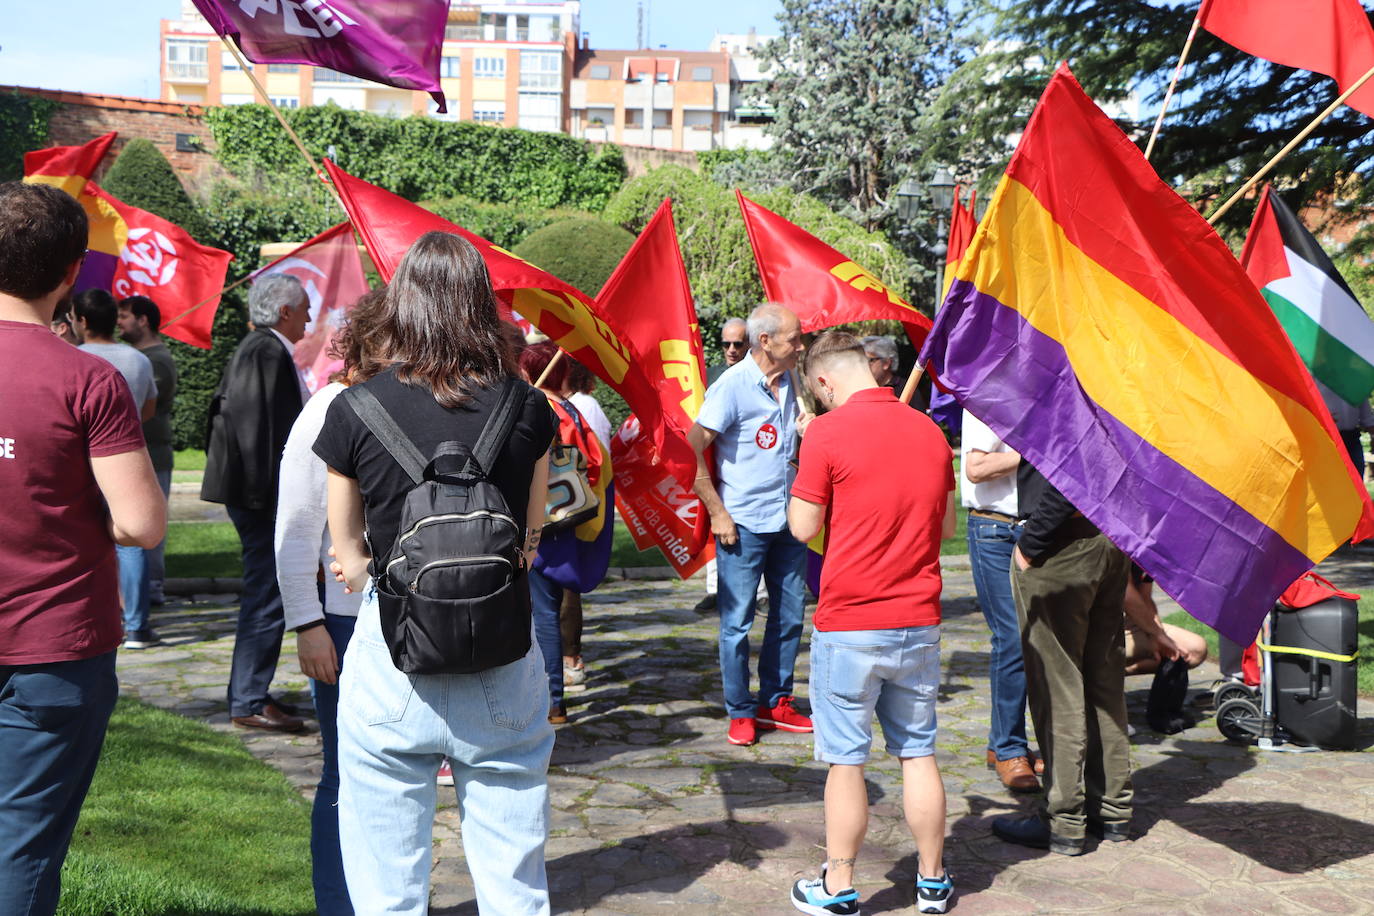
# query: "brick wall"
84,116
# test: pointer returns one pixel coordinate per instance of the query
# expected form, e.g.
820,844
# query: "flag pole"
912,380
549,368
1178,70
262,91
1259,176
232,286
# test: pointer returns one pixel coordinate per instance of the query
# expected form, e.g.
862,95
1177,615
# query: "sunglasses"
733,343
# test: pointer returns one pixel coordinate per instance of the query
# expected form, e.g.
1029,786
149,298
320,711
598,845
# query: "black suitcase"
1314,686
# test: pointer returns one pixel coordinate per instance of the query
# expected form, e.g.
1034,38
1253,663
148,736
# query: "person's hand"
315,649
1165,647
804,421
1019,558
341,575
723,527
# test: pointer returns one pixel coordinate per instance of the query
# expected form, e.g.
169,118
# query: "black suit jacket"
250,416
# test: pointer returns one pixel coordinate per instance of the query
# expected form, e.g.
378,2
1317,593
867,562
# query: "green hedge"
142,176
582,251
23,127
504,224
424,158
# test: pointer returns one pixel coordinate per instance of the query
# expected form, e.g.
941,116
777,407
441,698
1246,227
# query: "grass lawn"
189,459
183,820
1365,629
196,549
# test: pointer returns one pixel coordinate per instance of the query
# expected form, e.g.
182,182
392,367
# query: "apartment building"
667,99
503,63
749,110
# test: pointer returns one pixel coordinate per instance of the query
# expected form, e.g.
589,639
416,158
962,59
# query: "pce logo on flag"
151,259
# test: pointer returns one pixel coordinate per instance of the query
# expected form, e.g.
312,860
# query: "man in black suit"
250,416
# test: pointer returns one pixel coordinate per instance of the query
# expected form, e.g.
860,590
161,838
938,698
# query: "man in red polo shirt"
876,645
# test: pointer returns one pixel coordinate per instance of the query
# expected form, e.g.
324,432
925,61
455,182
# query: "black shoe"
706,604
1035,833
1109,831
141,639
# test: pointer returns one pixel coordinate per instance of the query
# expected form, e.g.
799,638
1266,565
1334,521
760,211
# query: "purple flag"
395,42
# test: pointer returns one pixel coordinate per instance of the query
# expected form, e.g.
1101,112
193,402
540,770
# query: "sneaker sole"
814,910
779,726
736,743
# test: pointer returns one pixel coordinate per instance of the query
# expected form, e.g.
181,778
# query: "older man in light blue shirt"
751,416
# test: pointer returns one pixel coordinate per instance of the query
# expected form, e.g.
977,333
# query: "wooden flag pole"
232,286
1178,70
1259,176
909,389
262,91
547,369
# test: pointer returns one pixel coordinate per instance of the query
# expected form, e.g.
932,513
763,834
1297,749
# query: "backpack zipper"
459,517
457,561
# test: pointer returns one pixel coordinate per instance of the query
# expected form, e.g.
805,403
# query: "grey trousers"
1070,612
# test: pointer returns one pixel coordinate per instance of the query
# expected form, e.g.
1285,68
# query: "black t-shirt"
348,446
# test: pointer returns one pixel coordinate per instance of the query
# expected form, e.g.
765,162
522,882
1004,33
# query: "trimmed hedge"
23,127
582,251
424,158
142,176
504,224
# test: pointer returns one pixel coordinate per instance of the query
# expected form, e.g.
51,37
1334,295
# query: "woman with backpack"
442,662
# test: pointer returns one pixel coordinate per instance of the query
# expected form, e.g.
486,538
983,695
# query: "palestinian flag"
1329,329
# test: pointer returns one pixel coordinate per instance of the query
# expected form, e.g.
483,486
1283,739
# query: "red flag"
659,511
67,167
329,268
389,224
149,256
823,287
962,225
1331,37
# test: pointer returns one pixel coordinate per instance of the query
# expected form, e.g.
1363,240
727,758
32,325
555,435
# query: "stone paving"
653,810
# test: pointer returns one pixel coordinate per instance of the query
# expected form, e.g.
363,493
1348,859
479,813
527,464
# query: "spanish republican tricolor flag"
1331,332
67,167
1101,328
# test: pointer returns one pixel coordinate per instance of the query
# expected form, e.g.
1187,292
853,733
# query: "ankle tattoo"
843,862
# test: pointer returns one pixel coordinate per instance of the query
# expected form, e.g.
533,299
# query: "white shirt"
596,417
991,495
302,535
300,379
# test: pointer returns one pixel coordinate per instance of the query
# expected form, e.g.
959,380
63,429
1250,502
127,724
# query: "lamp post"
942,198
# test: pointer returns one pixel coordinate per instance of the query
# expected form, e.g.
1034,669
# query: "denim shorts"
855,673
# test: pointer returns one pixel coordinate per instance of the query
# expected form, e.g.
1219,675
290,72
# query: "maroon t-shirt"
883,471
59,407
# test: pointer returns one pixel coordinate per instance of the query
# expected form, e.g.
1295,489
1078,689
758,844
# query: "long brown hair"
440,327
356,342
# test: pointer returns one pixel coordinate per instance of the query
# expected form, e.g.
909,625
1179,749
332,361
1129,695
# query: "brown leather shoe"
1016,774
271,718
1037,762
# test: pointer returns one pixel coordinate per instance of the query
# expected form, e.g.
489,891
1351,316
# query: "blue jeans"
331,893
257,640
781,560
395,730
133,586
157,566
546,598
52,724
990,543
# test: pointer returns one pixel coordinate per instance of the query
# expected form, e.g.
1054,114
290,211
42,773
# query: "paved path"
653,810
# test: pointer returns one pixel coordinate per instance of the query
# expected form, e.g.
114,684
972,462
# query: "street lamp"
942,198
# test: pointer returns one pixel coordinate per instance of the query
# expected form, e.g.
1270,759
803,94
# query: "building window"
489,68
228,62
188,60
634,117
489,111
661,77
703,75
325,75
236,98
286,101
463,33
283,68
540,70
599,72
451,67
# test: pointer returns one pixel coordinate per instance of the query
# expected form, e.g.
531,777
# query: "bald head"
734,340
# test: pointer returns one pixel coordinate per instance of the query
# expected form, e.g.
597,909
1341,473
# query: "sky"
107,47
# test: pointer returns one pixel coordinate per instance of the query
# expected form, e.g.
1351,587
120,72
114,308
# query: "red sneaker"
445,777
742,732
783,716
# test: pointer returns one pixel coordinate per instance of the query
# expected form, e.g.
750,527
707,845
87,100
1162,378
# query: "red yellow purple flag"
67,167
823,287
962,225
1101,328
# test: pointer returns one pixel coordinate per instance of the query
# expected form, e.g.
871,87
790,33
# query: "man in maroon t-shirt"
78,480
876,645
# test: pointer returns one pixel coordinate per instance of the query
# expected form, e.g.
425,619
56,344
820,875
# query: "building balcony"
188,72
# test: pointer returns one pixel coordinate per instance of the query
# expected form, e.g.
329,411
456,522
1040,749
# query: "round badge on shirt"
767,436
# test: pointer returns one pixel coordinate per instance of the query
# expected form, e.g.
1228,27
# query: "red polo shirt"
884,472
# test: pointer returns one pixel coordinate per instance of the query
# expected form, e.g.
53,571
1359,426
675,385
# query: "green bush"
142,177
424,158
23,127
582,251
716,251
504,224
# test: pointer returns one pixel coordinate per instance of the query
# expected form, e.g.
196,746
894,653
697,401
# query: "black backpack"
452,588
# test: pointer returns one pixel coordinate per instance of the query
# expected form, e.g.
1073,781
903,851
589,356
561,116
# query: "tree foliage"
581,251
23,127
504,224
1232,111
852,82
715,249
424,158
142,177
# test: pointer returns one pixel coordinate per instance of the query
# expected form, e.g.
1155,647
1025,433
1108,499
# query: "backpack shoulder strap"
498,426
388,433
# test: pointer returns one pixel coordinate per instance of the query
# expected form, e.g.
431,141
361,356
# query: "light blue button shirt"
756,435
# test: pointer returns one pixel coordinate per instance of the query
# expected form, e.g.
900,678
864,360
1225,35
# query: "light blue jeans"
133,587
395,730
